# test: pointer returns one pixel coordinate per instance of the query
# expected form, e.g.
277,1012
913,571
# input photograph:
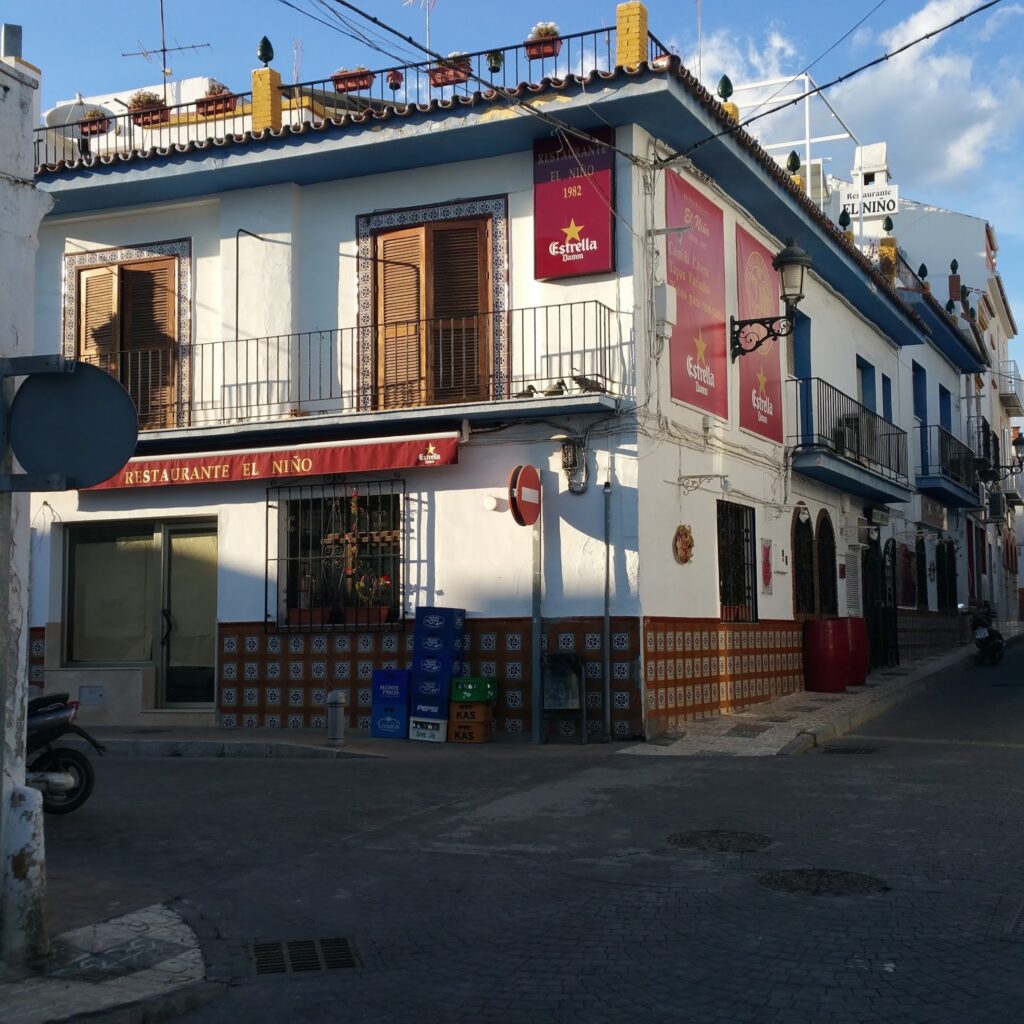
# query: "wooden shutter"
400,316
460,311
97,318
149,341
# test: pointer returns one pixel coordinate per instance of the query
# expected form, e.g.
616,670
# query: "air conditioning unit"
859,433
857,534
997,507
880,516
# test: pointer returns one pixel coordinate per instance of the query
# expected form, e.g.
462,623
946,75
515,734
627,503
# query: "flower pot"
151,116
395,80
95,126
449,74
309,616
546,46
373,616
211,106
352,81
495,62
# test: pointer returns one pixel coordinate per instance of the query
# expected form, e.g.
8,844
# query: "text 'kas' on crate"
470,732
469,712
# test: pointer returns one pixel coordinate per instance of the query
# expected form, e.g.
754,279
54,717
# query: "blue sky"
951,110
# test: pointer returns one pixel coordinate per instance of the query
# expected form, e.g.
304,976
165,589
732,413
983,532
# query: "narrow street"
515,884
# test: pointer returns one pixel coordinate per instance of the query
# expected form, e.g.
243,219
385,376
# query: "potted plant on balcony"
373,594
455,68
352,80
495,61
545,40
148,109
95,121
219,99
395,79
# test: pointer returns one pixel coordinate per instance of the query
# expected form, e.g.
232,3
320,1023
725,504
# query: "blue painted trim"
944,336
946,491
824,466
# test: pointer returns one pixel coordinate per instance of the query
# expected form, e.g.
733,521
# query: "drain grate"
302,955
719,841
849,750
821,882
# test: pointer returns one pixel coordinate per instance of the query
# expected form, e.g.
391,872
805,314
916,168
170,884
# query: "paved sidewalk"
800,721
142,966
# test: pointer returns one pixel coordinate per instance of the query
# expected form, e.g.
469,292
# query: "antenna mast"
164,50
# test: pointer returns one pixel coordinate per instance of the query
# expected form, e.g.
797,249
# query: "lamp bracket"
746,336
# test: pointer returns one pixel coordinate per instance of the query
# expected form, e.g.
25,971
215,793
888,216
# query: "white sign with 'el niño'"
877,201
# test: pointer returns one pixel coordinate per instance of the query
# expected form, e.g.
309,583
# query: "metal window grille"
737,562
803,566
828,589
335,556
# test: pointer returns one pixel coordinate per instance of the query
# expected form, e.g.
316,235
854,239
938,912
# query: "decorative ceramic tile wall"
282,680
695,668
922,633
36,650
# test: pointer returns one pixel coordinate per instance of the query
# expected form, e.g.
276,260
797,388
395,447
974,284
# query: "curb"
117,747
153,1009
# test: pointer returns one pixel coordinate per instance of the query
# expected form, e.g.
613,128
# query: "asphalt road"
523,884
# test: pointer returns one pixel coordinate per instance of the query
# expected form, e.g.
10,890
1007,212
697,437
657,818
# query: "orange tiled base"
281,680
696,668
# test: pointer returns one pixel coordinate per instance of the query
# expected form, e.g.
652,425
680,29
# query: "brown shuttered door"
400,315
97,318
149,342
461,324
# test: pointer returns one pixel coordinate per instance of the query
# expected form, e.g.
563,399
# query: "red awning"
363,456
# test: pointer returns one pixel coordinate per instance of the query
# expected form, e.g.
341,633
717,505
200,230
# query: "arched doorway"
828,588
803,562
890,633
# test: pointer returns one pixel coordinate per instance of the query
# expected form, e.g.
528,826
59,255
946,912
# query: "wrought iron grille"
737,562
803,566
335,558
828,588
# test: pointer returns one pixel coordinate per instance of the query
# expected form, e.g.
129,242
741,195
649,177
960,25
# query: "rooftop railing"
346,92
558,351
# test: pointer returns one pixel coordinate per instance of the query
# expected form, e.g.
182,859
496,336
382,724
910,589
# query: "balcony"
1011,388
948,468
540,361
331,99
842,443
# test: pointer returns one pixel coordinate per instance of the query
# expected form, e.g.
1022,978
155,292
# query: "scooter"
989,641
63,775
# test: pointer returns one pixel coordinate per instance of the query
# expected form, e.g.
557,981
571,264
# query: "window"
866,384
803,562
127,325
828,589
336,559
887,398
433,319
945,409
737,562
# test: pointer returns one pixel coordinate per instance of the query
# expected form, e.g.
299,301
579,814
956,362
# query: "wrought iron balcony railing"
1011,387
334,97
827,418
944,455
564,350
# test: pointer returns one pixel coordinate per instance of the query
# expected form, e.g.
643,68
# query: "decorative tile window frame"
181,249
367,225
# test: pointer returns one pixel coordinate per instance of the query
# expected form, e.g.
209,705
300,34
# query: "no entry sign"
524,495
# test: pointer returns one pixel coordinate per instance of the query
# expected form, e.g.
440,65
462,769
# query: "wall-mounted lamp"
804,514
746,336
873,533
994,474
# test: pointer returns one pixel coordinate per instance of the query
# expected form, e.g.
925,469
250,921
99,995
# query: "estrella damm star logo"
701,345
572,232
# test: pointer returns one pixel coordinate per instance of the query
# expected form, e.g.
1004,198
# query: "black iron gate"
878,582
890,625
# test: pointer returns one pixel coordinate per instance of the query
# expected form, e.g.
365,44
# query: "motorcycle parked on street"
62,774
989,641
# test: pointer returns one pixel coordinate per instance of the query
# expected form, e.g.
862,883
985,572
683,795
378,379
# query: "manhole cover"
819,882
849,750
302,955
719,841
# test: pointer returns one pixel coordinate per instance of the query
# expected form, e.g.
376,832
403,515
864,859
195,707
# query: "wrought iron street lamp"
995,474
746,336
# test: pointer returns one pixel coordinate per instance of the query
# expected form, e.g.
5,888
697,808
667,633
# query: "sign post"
524,501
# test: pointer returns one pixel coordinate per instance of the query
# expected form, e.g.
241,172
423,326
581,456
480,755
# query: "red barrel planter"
860,652
826,655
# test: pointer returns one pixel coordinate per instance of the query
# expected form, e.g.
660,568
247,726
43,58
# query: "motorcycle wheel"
996,656
75,764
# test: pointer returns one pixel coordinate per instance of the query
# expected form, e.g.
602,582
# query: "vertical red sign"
573,206
761,370
696,269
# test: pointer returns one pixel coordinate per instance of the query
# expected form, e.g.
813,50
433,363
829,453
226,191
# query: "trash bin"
860,654
826,655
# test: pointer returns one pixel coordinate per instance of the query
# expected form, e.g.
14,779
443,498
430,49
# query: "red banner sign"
696,269
356,457
573,206
760,371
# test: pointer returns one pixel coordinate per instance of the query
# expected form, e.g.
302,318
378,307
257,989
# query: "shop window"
433,321
803,562
828,588
737,562
337,557
127,326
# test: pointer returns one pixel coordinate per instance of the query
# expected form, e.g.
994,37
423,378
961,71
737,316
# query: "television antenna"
426,5
163,50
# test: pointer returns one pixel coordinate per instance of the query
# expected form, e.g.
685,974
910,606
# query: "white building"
346,316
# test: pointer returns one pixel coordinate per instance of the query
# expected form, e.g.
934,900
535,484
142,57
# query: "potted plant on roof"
352,80
95,121
148,109
495,61
455,68
219,99
545,40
